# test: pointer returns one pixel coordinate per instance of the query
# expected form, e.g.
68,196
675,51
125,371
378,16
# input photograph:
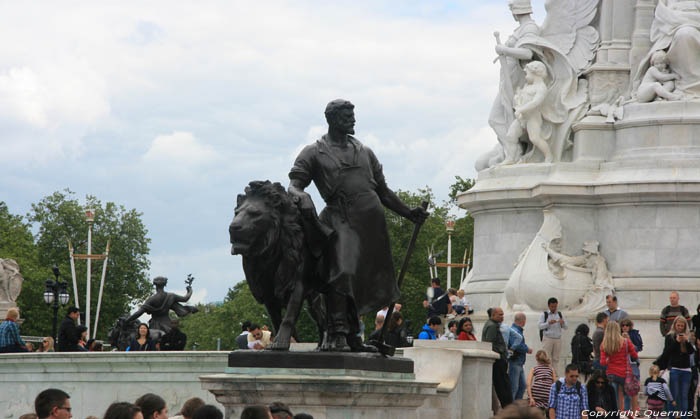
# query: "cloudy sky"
173,107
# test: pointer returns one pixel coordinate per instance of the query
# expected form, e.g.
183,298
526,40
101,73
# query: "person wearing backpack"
568,398
551,324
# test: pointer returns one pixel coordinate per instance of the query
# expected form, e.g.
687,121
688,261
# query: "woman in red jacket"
614,352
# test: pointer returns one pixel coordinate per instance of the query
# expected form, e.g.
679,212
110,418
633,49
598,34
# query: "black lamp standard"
55,292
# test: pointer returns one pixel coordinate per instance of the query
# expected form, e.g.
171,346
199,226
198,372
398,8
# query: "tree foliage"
60,217
17,243
224,321
432,235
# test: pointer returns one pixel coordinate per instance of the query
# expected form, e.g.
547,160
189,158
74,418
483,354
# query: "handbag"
631,381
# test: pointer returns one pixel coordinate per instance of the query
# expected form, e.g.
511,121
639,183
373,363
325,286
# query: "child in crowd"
657,391
540,381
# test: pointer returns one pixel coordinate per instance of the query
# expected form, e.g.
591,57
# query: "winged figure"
566,44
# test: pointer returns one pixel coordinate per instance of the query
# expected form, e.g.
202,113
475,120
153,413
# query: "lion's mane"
283,247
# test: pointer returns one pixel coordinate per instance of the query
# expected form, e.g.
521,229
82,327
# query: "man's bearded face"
345,121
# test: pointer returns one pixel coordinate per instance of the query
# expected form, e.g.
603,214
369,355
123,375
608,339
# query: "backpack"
546,314
578,390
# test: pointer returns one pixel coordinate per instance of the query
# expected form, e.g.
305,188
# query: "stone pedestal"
327,385
452,380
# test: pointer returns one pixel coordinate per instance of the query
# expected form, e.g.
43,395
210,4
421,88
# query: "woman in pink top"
614,352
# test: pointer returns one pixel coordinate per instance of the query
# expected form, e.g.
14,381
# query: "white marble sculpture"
527,104
658,82
565,44
676,30
580,283
10,285
611,111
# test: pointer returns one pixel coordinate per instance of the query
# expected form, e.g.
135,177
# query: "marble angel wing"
567,26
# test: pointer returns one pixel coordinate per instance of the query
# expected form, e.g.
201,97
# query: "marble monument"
621,120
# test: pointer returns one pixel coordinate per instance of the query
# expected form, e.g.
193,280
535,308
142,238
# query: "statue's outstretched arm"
519,53
391,201
184,298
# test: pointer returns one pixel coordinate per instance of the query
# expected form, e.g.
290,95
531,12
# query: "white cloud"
179,148
184,115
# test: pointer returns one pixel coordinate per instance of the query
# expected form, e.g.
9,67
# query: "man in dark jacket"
68,333
492,333
174,340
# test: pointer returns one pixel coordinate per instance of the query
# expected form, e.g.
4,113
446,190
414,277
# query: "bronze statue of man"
159,305
360,275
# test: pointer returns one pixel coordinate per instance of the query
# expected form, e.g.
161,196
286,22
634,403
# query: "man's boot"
338,343
357,346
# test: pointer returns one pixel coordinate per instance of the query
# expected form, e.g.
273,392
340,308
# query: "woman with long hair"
465,329
628,331
614,353
46,345
581,350
143,341
601,395
540,381
676,358
397,335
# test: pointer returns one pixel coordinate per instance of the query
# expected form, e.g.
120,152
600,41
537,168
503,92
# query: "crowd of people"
53,403
73,337
603,377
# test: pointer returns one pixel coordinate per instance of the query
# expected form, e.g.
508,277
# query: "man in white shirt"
551,324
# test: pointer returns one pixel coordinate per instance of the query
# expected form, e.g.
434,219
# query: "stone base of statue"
337,361
325,385
447,379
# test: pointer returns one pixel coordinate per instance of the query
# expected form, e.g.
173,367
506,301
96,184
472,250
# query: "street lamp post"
450,227
54,294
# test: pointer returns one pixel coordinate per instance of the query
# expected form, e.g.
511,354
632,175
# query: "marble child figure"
658,82
527,104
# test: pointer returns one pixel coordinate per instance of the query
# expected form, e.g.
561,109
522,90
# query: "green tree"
18,243
224,321
432,235
60,218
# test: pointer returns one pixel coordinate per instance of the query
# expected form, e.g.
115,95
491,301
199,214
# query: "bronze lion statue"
280,268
